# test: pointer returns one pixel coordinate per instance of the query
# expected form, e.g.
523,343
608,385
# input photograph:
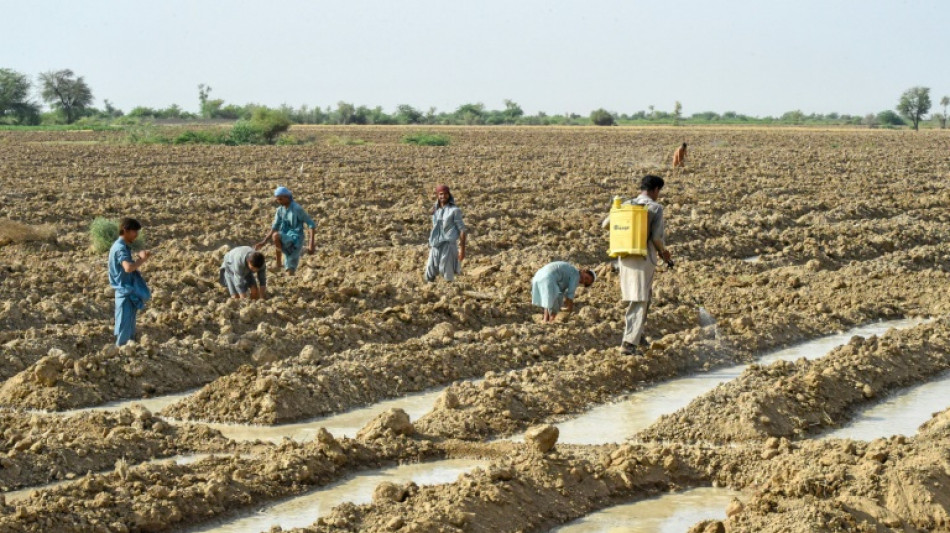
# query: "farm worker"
679,156
445,256
553,286
636,273
239,269
287,230
131,292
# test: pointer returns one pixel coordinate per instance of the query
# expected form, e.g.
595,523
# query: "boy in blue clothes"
287,230
131,292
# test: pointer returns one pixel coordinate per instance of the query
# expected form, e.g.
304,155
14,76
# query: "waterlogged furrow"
794,399
298,389
165,497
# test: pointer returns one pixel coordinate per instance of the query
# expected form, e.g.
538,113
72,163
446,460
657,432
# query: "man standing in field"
445,256
554,286
679,157
131,292
636,273
287,230
238,272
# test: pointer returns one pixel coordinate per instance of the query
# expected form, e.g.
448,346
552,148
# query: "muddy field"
781,235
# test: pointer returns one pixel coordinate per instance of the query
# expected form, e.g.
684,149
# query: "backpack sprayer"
628,230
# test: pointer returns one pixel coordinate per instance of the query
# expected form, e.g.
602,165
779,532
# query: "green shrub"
264,126
426,139
201,137
602,117
103,232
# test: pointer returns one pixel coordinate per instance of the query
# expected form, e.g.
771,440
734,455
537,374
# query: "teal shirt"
290,220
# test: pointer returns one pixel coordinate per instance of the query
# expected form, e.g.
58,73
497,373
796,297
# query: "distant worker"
554,285
238,271
131,292
287,230
679,156
636,273
445,255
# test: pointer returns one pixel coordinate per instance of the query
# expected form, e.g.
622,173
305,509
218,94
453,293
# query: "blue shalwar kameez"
131,292
554,282
289,222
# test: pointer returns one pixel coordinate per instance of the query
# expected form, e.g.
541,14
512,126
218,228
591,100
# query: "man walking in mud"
445,256
287,230
679,157
636,273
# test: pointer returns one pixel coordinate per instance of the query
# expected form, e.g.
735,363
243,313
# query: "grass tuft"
12,232
103,232
426,139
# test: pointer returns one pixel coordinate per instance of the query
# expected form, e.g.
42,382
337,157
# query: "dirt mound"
792,399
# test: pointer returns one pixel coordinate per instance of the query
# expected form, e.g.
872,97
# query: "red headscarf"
442,188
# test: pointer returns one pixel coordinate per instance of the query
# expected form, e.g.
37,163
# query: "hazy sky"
753,57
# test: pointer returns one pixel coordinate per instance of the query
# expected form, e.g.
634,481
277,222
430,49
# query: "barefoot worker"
679,156
445,256
287,230
238,272
554,285
636,273
131,292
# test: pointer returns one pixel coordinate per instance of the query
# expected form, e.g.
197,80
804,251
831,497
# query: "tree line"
70,100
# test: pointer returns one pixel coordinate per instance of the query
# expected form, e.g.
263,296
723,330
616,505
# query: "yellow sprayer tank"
628,230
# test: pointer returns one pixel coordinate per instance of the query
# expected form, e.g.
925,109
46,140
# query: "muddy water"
674,512
304,510
752,259
154,404
619,421
342,425
900,414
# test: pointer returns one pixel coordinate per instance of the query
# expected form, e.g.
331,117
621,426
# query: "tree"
890,118
945,101
15,98
66,93
406,114
677,113
471,114
512,112
869,120
203,91
914,104
601,117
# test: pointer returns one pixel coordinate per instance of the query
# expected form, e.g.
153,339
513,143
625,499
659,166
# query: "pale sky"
754,57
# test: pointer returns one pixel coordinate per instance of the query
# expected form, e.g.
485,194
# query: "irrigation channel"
612,423
304,510
674,512
617,422
900,414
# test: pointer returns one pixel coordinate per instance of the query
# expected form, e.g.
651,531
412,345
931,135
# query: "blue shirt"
291,219
563,275
119,279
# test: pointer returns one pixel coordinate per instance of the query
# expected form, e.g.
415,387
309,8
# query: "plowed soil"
849,226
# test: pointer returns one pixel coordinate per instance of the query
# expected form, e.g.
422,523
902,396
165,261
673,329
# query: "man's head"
255,261
651,185
588,277
129,229
283,196
684,146
443,194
